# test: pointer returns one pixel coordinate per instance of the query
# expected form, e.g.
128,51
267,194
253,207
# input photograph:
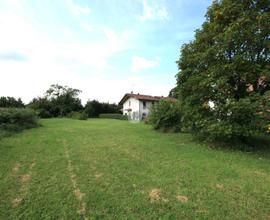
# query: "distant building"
137,106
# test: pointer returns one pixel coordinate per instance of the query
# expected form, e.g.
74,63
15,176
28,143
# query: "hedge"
114,116
78,115
16,119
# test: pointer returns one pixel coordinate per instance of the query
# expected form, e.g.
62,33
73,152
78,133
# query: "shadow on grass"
9,132
256,144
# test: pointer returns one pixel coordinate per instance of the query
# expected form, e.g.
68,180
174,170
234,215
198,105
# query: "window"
144,105
143,116
129,103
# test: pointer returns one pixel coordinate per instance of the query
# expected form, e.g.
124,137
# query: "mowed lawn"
110,169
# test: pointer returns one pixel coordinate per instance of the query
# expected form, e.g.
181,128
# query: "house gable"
137,106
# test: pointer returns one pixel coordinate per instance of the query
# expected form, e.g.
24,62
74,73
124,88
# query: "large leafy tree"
224,74
10,102
58,101
64,99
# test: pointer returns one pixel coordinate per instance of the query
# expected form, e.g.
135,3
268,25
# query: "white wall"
134,105
137,109
145,110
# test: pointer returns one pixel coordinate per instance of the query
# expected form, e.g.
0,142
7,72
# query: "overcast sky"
105,48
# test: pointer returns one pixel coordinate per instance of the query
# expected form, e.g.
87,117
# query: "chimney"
131,92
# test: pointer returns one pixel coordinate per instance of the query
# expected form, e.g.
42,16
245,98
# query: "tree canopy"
224,73
58,101
11,102
95,108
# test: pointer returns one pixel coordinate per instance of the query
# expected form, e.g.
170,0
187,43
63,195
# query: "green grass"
105,169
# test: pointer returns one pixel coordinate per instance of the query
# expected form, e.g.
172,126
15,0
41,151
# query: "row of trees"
95,108
223,83
60,101
10,102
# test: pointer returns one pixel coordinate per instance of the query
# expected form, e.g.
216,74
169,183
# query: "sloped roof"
140,97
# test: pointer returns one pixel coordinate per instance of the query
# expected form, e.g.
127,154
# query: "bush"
114,116
166,115
95,108
16,119
78,115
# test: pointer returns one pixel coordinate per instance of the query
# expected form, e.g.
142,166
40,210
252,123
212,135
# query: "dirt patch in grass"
15,202
82,209
32,165
16,168
155,195
79,195
77,192
24,180
201,211
220,186
165,200
98,175
183,199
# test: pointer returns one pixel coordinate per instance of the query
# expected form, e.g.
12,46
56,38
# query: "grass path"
109,169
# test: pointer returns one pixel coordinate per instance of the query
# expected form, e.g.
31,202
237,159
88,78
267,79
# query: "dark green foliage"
58,101
17,119
114,116
173,93
10,102
61,101
95,108
43,107
78,115
224,73
166,115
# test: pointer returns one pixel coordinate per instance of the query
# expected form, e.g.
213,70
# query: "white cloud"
79,64
140,63
87,27
153,11
31,79
73,61
76,9
39,46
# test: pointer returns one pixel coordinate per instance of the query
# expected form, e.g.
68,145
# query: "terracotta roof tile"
140,97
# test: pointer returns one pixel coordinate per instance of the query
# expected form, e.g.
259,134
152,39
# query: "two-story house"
137,106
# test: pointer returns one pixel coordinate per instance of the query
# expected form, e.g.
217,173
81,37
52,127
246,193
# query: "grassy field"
109,169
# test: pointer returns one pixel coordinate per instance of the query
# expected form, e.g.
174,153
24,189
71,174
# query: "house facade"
137,106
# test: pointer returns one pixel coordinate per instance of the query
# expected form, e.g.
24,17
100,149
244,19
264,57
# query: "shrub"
114,116
16,119
166,115
78,115
95,108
